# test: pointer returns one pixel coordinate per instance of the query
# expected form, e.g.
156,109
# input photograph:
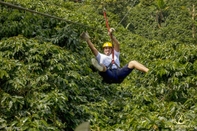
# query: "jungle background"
47,81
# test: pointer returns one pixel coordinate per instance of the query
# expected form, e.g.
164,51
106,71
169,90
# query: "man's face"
107,50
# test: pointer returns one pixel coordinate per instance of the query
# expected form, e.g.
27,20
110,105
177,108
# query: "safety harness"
108,28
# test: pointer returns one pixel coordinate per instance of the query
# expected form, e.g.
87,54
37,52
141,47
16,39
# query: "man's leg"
138,66
99,67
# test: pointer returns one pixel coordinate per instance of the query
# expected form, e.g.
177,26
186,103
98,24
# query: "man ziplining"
108,64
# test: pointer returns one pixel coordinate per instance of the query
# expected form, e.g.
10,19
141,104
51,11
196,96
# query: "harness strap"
111,64
108,28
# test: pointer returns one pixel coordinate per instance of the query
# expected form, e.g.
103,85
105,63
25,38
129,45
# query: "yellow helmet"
107,44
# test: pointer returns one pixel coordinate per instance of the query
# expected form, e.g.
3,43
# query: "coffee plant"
48,83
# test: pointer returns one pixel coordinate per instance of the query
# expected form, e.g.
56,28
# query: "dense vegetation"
48,83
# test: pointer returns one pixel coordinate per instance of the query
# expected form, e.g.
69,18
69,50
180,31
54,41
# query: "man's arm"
86,37
92,47
115,41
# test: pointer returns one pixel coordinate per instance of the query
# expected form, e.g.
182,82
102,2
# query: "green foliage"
37,80
160,4
176,20
47,82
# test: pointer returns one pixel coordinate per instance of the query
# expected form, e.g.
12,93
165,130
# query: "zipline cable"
125,14
55,17
36,12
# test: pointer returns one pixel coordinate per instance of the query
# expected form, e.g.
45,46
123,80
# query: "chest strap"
111,64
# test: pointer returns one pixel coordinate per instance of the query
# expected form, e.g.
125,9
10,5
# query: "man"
108,64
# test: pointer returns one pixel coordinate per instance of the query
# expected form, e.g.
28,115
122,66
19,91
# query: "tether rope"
108,28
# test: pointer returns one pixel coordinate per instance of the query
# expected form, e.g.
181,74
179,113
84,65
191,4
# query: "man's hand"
85,36
111,30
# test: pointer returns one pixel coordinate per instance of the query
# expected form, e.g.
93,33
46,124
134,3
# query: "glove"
85,36
111,30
